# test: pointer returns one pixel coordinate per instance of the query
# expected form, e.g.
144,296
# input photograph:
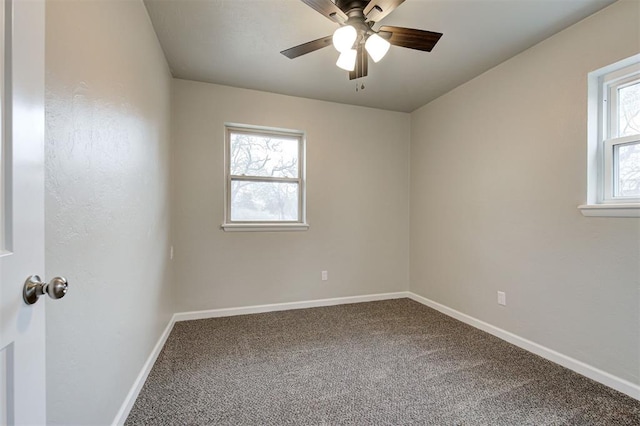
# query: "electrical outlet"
171,253
325,275
502,298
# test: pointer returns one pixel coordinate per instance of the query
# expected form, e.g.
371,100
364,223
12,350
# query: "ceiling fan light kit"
356,34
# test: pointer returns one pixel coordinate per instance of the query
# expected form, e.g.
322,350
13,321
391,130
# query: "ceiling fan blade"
328,9
362,64
308,47
413,39
378,9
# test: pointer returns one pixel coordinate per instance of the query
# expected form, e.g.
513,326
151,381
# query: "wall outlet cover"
502,298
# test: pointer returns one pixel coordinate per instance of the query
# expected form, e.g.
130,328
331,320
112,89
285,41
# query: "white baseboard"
229,312
579,367
126,406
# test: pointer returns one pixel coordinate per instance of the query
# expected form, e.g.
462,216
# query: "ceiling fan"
356,36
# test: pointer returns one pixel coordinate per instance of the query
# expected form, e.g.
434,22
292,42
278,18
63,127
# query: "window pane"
629,110
263,155
628,165
264,201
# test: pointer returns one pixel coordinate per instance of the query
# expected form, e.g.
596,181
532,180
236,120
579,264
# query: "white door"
22,338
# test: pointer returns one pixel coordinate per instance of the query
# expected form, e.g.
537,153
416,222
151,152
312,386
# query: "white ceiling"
238,43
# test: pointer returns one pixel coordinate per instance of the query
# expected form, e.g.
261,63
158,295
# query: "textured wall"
107,203
357,202
497,170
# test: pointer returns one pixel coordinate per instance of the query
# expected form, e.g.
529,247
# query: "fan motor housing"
354,10
352,5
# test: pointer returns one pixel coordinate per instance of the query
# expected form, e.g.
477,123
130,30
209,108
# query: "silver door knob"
34,288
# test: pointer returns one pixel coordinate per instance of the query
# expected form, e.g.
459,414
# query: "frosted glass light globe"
347,60
377,47
344,37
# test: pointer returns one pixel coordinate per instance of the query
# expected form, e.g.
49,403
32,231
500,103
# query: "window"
614,140
265,186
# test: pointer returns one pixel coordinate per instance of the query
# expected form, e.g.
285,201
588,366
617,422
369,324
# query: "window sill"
611,210
264,227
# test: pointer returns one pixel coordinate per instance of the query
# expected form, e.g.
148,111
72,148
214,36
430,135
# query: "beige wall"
357,202
497,170
107,203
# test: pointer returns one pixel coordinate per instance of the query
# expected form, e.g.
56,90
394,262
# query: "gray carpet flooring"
392,362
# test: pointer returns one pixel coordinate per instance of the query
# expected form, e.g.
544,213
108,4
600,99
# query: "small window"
614,140
265,186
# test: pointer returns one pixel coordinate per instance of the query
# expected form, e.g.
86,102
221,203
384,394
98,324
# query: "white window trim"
265,226
610,210
602,90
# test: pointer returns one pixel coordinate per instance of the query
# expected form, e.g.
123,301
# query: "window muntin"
264,177
620,133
